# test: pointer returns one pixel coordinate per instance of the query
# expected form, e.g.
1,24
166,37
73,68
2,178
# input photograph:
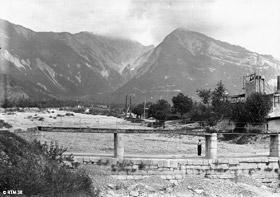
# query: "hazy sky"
253,24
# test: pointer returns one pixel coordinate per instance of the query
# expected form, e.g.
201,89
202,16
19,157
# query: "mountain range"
63,65
88,66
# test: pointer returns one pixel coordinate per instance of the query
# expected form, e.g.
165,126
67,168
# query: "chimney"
278,84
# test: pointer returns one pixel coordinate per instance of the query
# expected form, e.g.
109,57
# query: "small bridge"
210,138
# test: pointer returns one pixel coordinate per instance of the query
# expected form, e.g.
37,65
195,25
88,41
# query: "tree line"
214,106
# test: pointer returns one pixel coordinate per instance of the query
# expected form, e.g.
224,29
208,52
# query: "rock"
111,193
68,164
174,182
199,191
169,189
134,193
150,189
111,186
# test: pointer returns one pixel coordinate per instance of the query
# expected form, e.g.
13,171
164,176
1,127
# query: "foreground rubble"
192,186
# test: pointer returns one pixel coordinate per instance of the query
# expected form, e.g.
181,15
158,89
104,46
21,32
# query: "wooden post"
211,146
274,150
118,146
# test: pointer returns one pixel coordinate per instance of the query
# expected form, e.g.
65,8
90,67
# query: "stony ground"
156,145
142,144
191,186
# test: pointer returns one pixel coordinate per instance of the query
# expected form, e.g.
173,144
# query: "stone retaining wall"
265,170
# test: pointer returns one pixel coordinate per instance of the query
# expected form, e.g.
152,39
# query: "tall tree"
159,110
138,110
205,96
220,103
182,104
258,106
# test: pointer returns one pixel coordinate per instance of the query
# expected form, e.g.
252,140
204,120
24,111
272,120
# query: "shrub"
36,168
4,124
53,152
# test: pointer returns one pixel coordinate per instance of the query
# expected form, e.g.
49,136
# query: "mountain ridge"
64,64
85,65
186,61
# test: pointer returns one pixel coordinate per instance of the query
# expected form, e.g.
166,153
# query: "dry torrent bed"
191,186
150,144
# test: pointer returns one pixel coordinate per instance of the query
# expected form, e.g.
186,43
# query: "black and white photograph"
139,98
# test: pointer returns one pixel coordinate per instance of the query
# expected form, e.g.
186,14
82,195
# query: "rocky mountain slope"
84,65
62,65
186,61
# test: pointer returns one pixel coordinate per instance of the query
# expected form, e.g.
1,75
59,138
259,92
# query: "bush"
53,152
37,168
3,124
228,137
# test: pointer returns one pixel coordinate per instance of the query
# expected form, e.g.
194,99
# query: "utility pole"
144,108
130,107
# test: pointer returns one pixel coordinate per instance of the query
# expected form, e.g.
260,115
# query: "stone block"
261,165
141,172
153,167
169,177
190,171
166,163
178,177
113,161
223,161
163,176
94,159
258,160
147,162
205,167
190,162
233,162
121,177
174,164
226,176
167,172
245,172
183,162
190,167
214,166
264,159
135,167
137,177
182,167
137,161
248,165
266,180
233,167
160,163
224,166
177,172
274,165
197,162
205,162
155,162
86,159
79,159
130,177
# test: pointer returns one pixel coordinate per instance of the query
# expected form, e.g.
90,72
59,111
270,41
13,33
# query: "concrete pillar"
211,146
274,150
118,145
